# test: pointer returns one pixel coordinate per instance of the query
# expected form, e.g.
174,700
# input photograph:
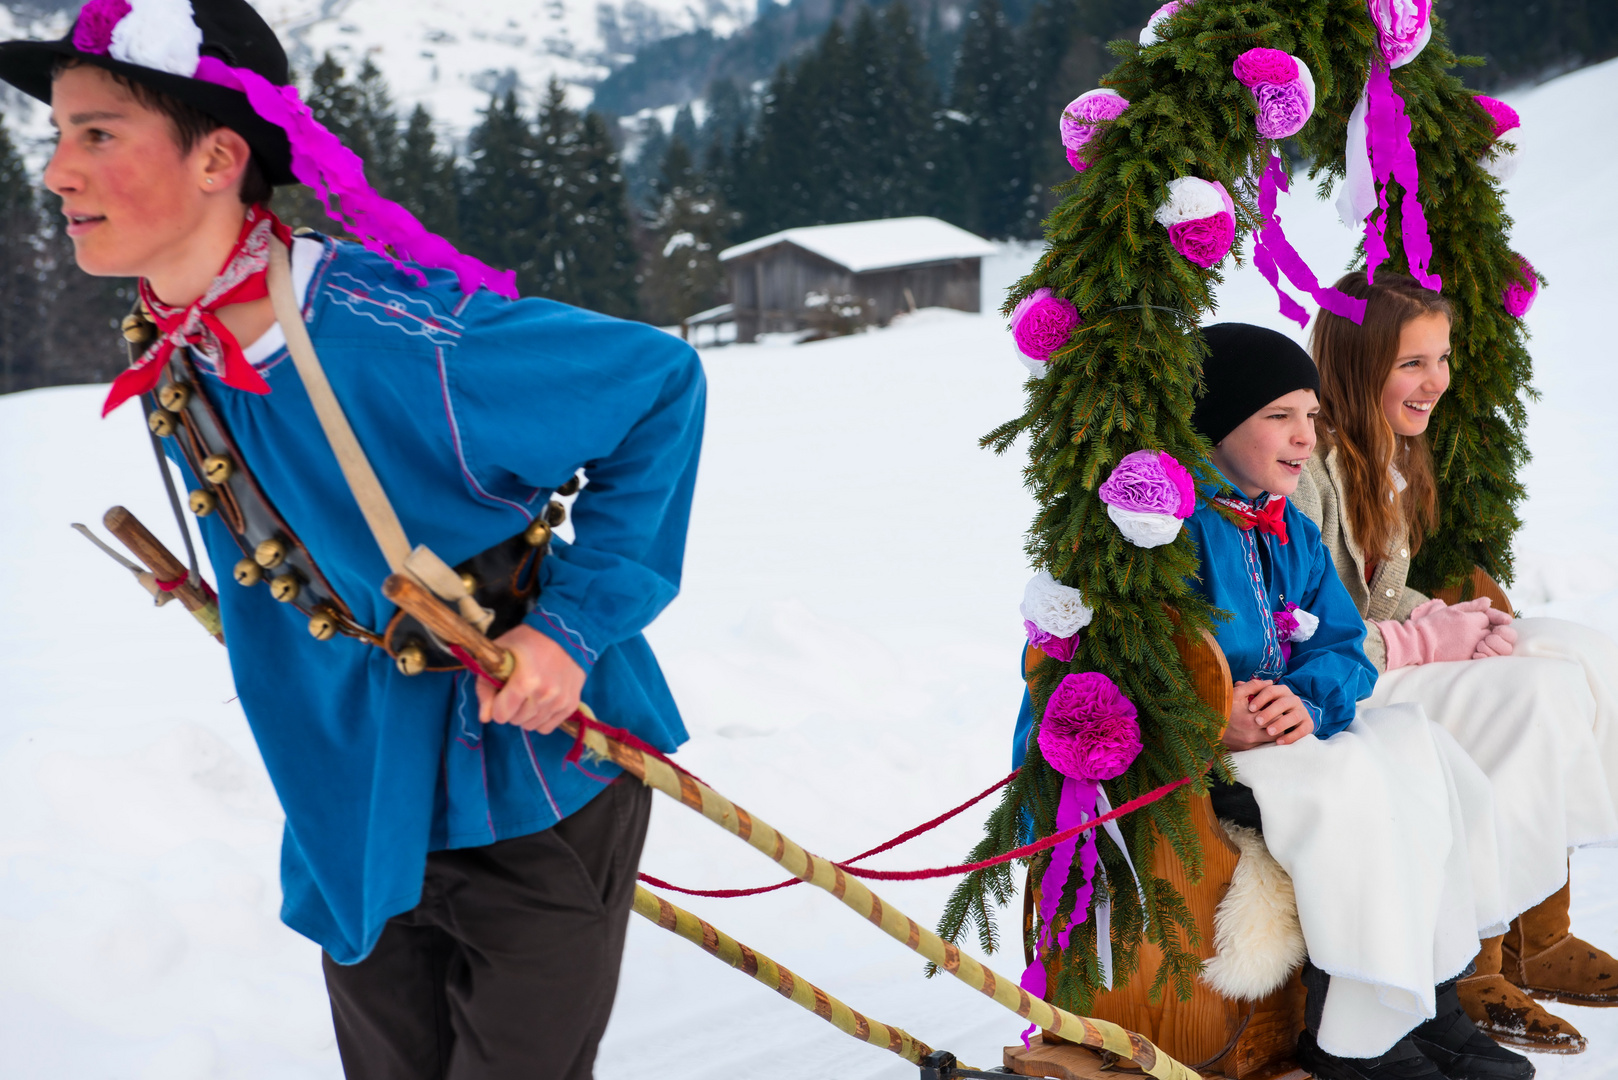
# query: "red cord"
575,754
879,849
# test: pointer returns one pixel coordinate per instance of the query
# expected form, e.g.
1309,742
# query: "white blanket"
1388,831
1596,654
1529,724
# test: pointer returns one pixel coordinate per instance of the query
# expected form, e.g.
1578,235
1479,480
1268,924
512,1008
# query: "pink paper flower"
93,32
1140,484
1183,484
1042,323
1081,117
1283,109
1502,116
1265,66
1089,731
1205,241
1403,27
1520,293
1057,648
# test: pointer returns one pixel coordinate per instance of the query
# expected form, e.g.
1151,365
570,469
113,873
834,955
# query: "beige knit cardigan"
1321,497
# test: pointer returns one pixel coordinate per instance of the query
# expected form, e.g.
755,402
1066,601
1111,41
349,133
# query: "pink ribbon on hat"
320,160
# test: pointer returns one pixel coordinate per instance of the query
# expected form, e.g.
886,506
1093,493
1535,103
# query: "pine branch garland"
1125,382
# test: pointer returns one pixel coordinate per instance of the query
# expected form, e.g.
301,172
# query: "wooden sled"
1217,1036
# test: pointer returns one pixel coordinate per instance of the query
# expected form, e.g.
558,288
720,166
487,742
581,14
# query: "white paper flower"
1190,199
1053,607
1145,529
161,34
1499,163
1037,368
1307,625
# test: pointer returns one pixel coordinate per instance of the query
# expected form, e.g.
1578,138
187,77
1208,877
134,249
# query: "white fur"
1055,608
1258,942
1144,529
1190,198
160,34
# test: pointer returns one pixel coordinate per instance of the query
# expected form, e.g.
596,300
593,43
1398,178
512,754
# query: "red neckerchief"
242,279
1266,519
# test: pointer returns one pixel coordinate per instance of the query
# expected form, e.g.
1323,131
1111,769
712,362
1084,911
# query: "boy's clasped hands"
1263,711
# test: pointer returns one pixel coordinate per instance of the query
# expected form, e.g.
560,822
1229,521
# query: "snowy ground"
844,652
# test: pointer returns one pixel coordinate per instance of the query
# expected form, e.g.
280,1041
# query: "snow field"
844,651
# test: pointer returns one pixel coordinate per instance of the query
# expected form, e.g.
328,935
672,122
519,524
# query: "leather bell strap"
419,563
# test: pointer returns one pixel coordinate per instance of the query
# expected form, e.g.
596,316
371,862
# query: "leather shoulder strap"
421,563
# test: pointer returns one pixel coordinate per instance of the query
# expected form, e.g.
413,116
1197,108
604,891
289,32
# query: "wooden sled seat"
1218,1036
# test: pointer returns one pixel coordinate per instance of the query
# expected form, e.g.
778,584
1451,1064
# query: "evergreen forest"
886,113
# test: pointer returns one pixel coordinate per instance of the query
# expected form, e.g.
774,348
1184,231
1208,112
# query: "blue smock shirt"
1247,573
472,409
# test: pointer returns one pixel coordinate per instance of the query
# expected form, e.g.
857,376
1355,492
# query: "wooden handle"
447,625
161,562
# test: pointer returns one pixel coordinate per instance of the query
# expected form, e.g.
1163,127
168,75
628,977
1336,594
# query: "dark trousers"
507,968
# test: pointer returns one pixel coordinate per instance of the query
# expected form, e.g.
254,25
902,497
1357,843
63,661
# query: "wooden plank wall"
770,288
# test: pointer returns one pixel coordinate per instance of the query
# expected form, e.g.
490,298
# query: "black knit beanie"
1247,368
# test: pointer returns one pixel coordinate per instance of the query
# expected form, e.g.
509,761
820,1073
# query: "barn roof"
860,246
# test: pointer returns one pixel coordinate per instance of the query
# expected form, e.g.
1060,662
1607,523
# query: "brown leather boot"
1509,1016
1541,956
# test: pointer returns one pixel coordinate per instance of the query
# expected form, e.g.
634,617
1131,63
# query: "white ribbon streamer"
1104,901
1358,196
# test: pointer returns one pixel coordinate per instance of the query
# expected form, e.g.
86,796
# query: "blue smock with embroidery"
1247,573
472,409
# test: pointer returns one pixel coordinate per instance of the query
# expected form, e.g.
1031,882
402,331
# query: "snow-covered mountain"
447,54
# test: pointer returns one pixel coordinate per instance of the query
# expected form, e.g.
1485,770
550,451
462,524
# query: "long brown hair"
1354,362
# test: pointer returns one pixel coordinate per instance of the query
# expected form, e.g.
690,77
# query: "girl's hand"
1243,731
1279,712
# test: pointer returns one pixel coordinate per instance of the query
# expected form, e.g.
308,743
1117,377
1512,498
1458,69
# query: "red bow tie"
1269,518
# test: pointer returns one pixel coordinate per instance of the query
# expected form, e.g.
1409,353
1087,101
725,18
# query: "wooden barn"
835,278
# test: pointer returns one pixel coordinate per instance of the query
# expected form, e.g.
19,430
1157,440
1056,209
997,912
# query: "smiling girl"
1530,700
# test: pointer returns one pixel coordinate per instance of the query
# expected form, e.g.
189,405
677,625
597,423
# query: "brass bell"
174,396
136,330
538,533
248,572
217,468
271,553
322,625
469,582
285,588
555,514
162,422
570,487
411,660
203,503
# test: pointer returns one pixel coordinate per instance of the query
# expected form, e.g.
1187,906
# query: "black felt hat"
231,31
1247,368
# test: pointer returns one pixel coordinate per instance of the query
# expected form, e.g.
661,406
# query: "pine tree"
425,179
991,147
1125,382
683,237
504,211
21,225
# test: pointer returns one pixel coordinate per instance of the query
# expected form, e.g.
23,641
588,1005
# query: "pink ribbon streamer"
320,160
1273,252
1387,135
1077,805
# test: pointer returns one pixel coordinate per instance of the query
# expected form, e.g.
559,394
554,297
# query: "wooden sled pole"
818,871
162,563
716,942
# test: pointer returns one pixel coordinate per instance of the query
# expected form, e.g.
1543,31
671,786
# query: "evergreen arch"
1125,379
